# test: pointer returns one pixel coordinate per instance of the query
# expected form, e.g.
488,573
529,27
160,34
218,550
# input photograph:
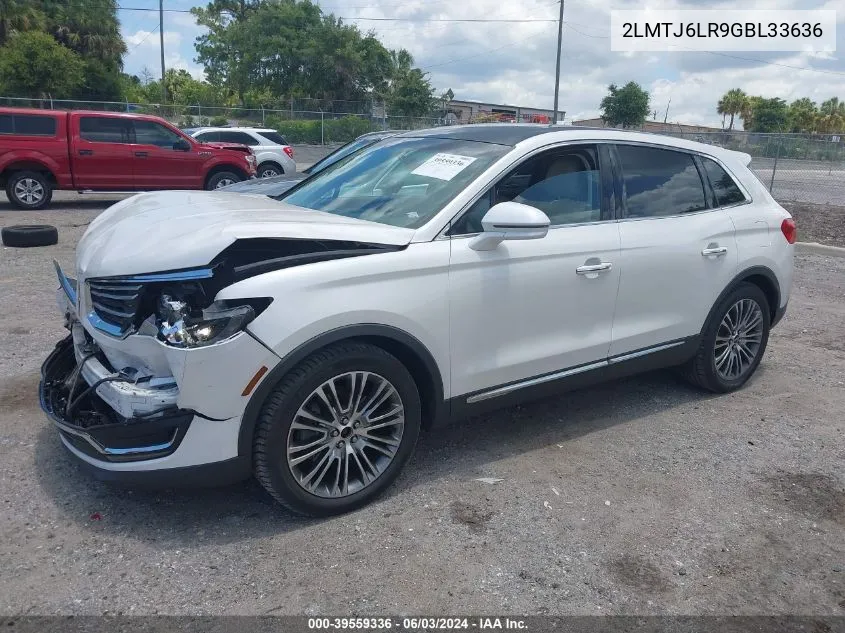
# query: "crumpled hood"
170,230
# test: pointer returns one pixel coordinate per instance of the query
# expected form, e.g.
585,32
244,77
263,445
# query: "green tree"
33,64
803,115
831,116
770,115
17,16
626,106
731,105
91,29
289,49
410,93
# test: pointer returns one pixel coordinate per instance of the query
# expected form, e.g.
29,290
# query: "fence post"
775,166
322,128
263,122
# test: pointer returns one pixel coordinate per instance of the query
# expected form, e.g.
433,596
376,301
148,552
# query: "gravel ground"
818,223
643,496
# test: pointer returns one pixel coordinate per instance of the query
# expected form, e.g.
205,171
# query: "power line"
342,17
155,28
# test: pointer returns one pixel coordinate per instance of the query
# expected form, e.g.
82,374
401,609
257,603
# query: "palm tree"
831,116
19,15
746,112
721,109
731,104
90,28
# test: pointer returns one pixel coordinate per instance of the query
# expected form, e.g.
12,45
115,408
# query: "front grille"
116,301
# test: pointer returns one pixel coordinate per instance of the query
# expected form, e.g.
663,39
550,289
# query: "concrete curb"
814,248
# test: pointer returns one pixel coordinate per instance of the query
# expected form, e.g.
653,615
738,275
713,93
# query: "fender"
61,174
763,271
235,161
291,360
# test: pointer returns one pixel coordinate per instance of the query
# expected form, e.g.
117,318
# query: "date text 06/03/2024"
418,623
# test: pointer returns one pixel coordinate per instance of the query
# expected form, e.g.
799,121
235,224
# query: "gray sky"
514,62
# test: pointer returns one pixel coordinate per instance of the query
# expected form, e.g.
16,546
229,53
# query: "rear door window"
99,129
28,124
660,182
726,190
237,137
208,137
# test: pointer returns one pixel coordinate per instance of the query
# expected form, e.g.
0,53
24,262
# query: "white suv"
272,153
435,274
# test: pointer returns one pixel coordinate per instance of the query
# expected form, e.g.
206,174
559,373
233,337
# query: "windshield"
400,181
342,152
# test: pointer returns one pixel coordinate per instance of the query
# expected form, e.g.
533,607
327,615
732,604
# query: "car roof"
515,133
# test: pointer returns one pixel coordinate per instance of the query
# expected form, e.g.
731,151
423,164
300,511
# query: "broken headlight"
181,326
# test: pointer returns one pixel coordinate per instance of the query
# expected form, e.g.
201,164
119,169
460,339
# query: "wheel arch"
405,347
270,161
762,277
27,164
223,167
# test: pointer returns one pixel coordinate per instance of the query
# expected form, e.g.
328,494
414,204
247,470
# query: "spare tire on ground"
30,235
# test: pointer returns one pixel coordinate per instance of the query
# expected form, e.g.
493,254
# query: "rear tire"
268,170
222,179
30,235
733,341
321,455
29,190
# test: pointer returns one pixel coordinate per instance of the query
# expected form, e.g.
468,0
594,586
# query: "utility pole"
161,39
557,66
666,116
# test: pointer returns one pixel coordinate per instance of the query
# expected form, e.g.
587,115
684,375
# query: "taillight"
787,227
289,151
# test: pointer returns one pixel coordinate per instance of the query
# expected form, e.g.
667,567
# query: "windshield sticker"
443,166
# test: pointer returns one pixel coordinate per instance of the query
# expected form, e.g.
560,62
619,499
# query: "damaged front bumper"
91,425
139,411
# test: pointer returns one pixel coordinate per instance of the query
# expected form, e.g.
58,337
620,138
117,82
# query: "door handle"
86,152
718,251
586,269
141,154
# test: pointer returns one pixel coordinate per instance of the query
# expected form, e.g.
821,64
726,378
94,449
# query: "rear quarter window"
274,137
28,124
726,190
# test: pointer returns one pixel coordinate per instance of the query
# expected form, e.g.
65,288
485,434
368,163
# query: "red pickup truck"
44,150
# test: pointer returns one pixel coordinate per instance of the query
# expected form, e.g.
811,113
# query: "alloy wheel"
268,172
345,434
738,339
224,182
29,191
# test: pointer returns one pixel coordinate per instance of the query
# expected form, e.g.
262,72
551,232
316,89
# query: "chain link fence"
794,167
312,121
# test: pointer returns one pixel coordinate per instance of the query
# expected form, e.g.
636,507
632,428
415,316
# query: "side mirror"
510,221
181,145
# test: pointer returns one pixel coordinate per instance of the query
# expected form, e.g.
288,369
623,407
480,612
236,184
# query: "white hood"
170,230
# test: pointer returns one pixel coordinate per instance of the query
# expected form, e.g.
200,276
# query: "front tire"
337,430
222,179
733,342
29,190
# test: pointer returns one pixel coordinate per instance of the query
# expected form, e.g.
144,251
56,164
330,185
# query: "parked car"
272,152
45,150
277,185
433,275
